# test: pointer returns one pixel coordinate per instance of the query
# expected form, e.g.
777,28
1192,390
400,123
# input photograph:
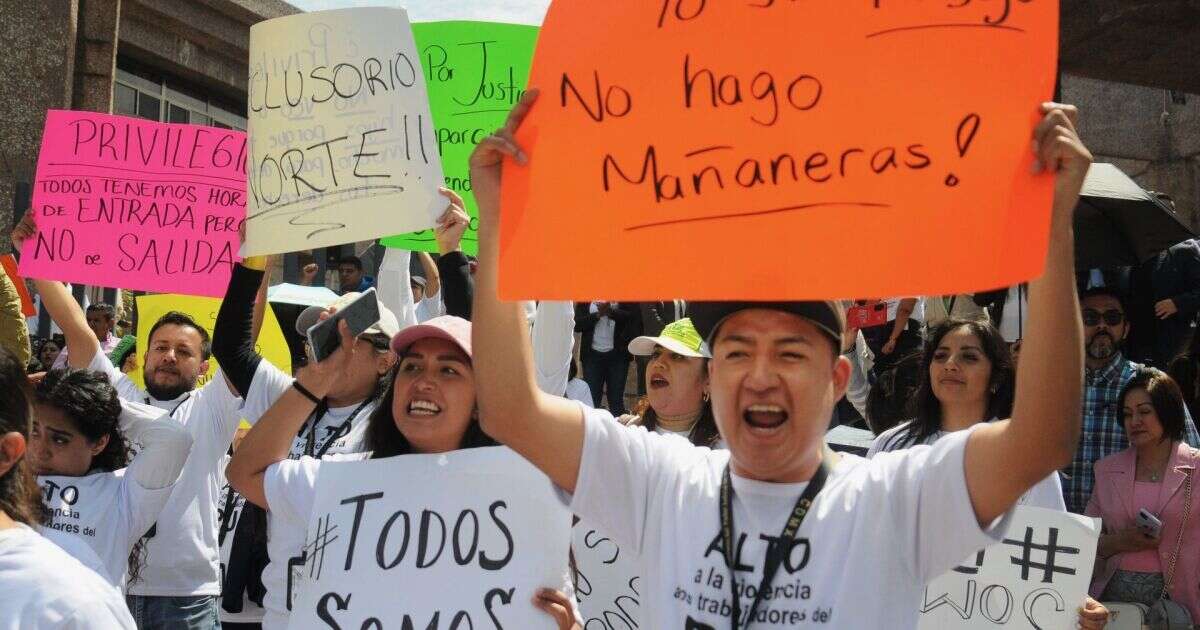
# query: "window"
154,96
125,100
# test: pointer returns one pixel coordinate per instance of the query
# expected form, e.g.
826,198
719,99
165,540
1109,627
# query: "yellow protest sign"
271,344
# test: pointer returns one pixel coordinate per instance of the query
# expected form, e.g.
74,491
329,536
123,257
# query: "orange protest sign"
10,268
773,149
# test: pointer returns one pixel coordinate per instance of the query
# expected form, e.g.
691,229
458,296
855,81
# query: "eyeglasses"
1112,317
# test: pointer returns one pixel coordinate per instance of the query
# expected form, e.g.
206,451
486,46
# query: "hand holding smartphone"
360,315
1149,524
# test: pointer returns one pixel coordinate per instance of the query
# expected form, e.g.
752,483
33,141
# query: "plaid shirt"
1103,433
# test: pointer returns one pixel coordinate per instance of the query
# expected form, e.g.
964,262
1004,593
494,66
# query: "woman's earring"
705,397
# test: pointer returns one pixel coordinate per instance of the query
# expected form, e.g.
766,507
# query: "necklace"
1153,470
680,423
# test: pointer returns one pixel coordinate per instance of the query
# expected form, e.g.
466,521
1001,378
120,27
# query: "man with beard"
1105,375
179,581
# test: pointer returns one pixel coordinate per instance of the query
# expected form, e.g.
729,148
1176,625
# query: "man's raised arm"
546,430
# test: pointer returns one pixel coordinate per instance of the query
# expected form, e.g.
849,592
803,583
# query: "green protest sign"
476,72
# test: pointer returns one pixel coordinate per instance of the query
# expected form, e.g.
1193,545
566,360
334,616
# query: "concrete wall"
61,54
1146,132
36,72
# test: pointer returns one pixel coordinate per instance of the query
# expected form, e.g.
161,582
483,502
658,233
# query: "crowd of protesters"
723,428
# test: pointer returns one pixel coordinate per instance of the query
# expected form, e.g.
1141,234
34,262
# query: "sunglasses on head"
1112,317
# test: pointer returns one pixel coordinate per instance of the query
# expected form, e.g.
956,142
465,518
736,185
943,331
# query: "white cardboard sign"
341,141
1035,578
606,580
459,540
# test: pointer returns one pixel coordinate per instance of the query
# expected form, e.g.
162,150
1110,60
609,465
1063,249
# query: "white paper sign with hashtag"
1036,577
459,540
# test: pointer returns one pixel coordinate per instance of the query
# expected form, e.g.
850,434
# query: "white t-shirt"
80,550
603,335
346,426
578,390
107,510
290,489
1048,493
659,496
182,558
43,587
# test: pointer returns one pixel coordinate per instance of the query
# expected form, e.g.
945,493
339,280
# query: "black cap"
828,317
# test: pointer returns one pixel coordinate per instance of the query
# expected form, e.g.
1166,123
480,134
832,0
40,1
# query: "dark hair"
890,399
20,497
1165,397
175,318
1111,292
93,406
353,261
705,433
107,309
927,409
1185,369
383,439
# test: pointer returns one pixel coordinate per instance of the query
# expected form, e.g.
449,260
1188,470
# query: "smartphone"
1149,524
360,315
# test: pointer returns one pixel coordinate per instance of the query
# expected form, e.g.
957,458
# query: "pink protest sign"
130,203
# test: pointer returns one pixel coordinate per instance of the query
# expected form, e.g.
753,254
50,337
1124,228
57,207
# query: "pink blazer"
1112,501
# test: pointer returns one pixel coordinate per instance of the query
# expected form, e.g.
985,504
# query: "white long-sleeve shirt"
393,286
111,511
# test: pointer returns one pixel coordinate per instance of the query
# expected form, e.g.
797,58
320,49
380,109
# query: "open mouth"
765,417
658,382
424,408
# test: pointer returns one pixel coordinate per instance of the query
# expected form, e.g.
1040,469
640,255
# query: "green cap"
679,336
122,350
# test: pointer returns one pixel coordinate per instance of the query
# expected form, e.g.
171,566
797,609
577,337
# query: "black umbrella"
1118,224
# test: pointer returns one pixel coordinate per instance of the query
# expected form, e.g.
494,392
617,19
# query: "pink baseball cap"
453,329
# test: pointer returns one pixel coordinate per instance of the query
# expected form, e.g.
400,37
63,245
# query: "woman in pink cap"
429,408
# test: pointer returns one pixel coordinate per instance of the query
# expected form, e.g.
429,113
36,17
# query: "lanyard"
775,553
171,414
310,445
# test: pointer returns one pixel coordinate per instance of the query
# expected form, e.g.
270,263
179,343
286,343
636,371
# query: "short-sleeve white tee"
290,487
108,510
880,527
43,587
1047,493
